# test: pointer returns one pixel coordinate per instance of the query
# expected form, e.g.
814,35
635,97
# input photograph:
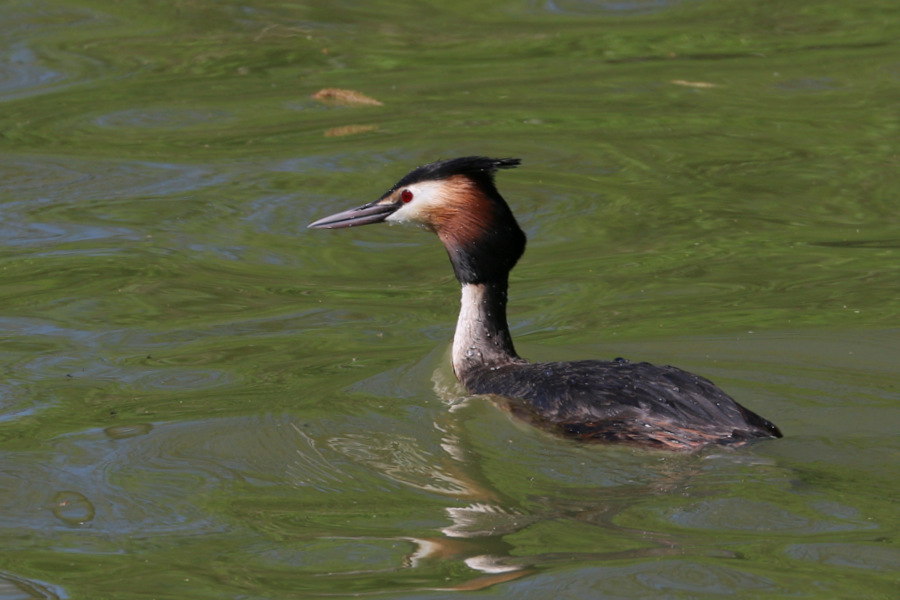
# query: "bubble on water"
73,508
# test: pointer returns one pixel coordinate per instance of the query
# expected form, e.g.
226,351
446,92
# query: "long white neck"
482,336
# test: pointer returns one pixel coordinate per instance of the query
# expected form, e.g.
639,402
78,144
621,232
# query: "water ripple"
166,118
14,587
64,179
754,516
619,8
21,73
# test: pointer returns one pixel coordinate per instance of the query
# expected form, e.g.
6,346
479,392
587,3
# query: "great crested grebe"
607,401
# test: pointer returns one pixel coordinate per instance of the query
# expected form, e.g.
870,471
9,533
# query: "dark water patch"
20,232
22,73
16,399
93,489
69,180
595,7
28,67
744,515
857,556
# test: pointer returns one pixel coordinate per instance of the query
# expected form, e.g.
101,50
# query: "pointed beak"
374,212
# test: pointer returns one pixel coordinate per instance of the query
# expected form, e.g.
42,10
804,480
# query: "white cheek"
405,214
426,197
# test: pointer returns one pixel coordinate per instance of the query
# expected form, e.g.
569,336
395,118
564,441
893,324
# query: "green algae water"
202,399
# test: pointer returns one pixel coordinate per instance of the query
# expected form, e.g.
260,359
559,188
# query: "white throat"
465,349
482,336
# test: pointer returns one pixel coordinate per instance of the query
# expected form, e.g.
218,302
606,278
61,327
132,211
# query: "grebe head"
457,199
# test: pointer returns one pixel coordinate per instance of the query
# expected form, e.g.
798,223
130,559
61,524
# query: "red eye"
406,196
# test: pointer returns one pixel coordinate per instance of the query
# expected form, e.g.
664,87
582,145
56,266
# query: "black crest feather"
476,167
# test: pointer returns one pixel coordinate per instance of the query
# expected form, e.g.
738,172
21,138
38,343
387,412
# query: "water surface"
202,399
